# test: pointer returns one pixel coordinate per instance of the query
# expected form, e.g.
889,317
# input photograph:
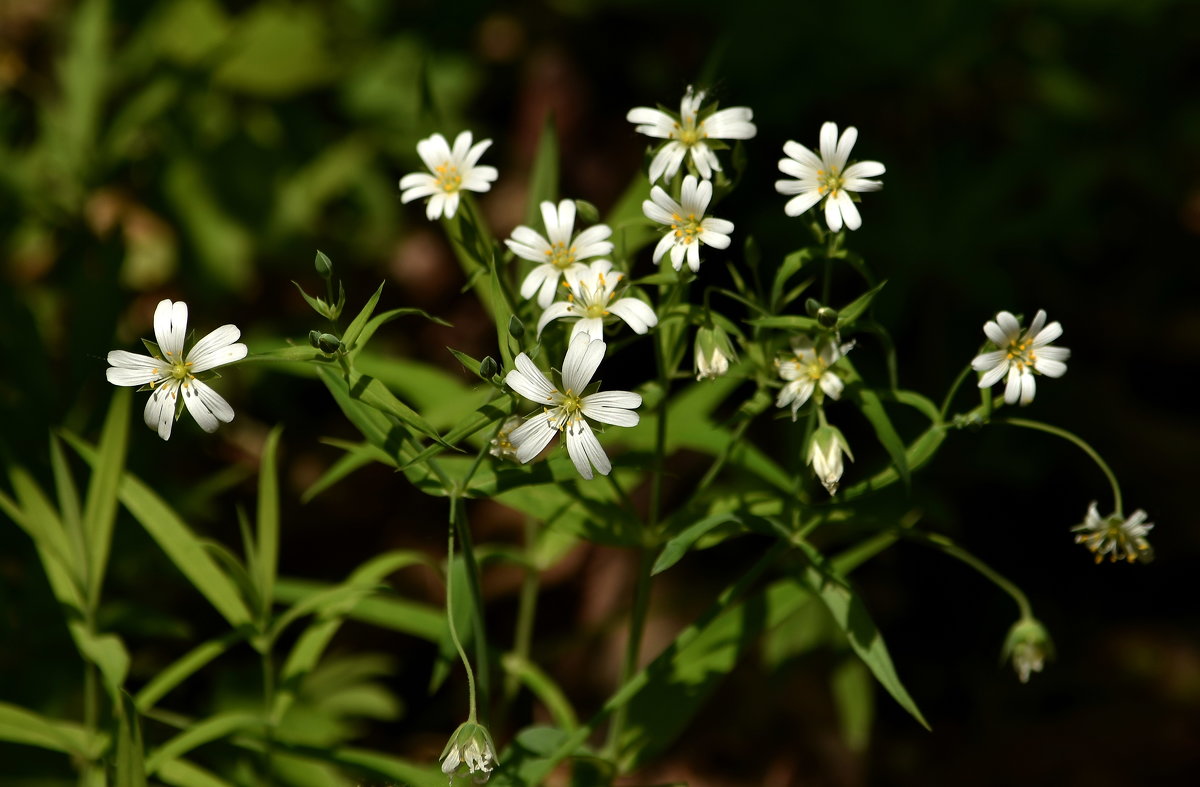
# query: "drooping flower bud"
1028,645
713,353
469,751
825,450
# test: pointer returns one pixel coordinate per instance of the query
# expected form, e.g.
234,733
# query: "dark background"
1039,155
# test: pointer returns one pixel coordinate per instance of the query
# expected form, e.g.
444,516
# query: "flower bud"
488,367
713,353
827,318
1028,645
314,338
469,751
825,450
328,343
587,212
516,328
323,265
811,306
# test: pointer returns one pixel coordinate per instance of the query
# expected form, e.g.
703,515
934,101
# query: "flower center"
568,411
815,369
829,181
686,229
689,133
448,179
1021,353
560,255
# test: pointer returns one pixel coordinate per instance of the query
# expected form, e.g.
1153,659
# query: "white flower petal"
217,349
832,385
801,203
1012,389
530,382
531,437
170,328
637,314
988,360
553,312
593,326
811,161
585,450
732,123
584,355
664,243
863,169
1049,367
849,210
1054,353
845,144
160,409
1028,386
651,122
536,278
1047,334
828,144
995,374
833,215
1009,325
612,407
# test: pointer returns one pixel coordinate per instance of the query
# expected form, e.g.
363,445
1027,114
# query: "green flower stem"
710,475
637,625
1087,449
268,682
958,381
458,522
948,547
471,717
637,682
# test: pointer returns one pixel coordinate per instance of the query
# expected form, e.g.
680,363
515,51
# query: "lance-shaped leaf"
871,406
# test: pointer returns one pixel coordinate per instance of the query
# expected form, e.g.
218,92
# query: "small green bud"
314,338
328,343
323,265
812,306
488,367
587,212
827,318
516,328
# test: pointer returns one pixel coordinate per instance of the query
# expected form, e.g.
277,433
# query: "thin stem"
90,715
947,546
637,624
268,681
459,523
526,607
462,654
1087,449
637,682
958,381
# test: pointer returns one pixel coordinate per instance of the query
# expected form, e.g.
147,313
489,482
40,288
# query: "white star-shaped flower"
688,227
454,170
1116,536
559,254
564,410
590,301
826,177
1020,355
175,373
808,368
687,134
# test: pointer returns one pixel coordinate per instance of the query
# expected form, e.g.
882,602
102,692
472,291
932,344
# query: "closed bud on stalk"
516,328
812,306
469,751
586,212
713,353
314,338
1028,645
825,449
488,367
827,318
323,265
328,343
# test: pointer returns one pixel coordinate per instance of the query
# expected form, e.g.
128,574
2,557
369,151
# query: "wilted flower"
501,446
174,372
825,451
826,177
469,751
590,301
1116,536
689,228
454,170
687,133
1028,645
809,367
1020,355
564,411
559,254
713,353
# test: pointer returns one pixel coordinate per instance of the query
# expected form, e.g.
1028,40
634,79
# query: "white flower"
175,373
559,254
689,227
564,410
469,751
808,368
1028,644
688,132
1020,355
453,171
713,353
825,451
591,300
1116,536
827,177
501,446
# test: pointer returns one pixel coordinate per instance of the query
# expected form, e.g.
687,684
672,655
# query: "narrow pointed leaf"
100,512
267,553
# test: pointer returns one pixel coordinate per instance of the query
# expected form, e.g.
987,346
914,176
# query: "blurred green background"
1039,155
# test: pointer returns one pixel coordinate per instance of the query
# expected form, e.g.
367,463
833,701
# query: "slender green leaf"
851,615
871,406
131,758
792,264
380,320
176,540
41,521
678,546
183,668
791,322
286,354
409,617
100,512
544,688
918,453
370,391
108,653
19,725
851,311
211,729
267,553
356,457
182,773
543,178
317,304
350,337
68,504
